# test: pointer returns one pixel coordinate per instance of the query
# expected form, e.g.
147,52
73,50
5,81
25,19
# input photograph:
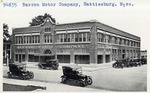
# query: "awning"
44,55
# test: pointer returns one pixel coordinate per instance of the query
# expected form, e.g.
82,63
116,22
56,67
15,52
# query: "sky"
134,19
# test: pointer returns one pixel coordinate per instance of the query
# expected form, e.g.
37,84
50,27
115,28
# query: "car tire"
9,74
82,84
23,77
31,75
63,79
89,81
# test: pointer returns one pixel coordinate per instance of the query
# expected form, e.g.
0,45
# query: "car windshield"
22,68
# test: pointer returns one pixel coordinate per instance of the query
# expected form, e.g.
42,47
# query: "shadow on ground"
12,87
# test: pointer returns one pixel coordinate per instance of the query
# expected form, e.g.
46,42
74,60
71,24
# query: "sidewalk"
85,67
48,86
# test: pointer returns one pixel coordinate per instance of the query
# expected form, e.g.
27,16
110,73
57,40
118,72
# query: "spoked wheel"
9,75
24,77
31,75
82,83
89,81
63,79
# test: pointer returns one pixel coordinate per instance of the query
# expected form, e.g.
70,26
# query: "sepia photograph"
75,46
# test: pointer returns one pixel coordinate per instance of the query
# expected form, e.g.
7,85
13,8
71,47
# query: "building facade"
6,52
144,54
88,42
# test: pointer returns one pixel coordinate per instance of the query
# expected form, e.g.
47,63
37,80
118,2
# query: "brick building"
88,42
144,54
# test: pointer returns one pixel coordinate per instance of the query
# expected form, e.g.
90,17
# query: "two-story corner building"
144,54
88,42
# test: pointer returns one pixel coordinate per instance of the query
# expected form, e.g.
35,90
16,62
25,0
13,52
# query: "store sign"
57,46
104,46
72,46
46,47
27,47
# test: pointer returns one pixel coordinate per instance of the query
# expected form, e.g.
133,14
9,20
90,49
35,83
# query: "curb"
84,68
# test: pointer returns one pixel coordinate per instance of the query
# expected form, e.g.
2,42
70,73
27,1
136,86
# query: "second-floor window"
27,39
73,37
47,38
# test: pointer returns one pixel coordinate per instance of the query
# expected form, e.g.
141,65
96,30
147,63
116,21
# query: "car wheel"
9,75
82,84
23,77
31,75
63,79
89,81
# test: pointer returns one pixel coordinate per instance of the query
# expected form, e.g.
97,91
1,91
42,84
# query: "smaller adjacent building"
144,54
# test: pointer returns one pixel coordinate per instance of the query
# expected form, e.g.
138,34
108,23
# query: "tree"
6,35
40,19
6,44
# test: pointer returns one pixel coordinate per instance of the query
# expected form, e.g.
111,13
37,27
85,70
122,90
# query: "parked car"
134,62
143,61
49,64
75,73
19,70
127,63
118,64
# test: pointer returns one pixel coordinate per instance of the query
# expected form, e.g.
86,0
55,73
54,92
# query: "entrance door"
100,59
107,58
63,58
82,59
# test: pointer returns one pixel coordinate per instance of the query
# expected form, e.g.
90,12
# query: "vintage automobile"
19,70
118,64
134,62
74,73
126,63
49,64
143,61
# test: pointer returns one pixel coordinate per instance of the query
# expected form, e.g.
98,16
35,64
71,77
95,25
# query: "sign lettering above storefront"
72,46
106,46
